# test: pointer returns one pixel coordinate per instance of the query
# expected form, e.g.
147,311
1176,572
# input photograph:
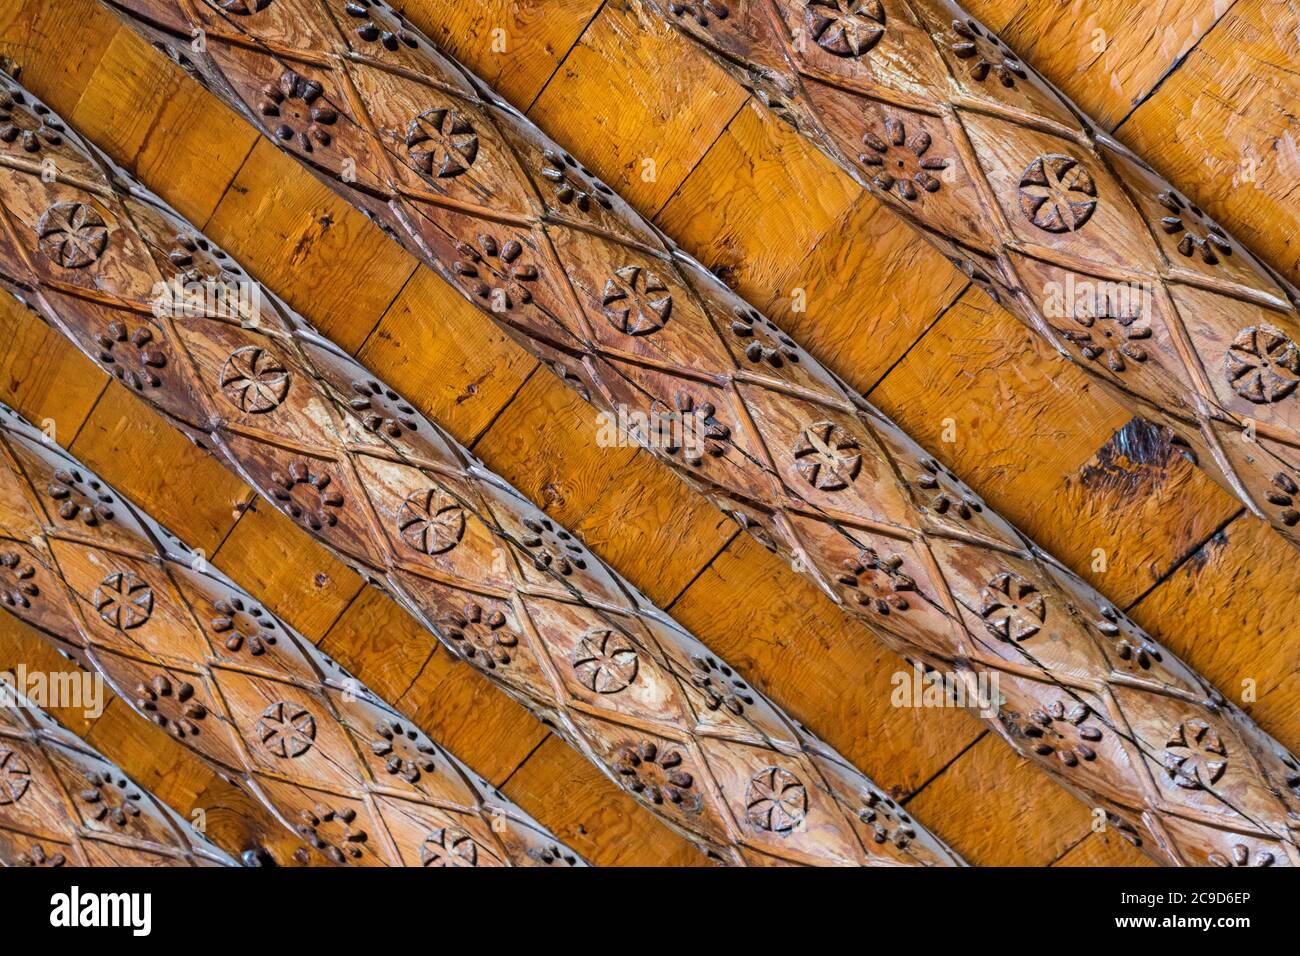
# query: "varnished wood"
62,803
933,114
817,474
356,780
499,583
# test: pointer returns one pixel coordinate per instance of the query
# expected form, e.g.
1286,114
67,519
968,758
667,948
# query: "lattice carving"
62,803
499,582
759,419
234,684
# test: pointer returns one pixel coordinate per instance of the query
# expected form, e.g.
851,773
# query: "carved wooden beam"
1062,225
191,651
495,579
572,273
62,803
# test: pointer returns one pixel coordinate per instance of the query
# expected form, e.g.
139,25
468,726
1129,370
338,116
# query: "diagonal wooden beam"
492,576
1061,224
191,651
62,803
518,226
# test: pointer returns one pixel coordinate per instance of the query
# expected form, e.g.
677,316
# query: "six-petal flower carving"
1057,193
845,28
776,800
1263,365
1012,607
73,234
442,142
605,661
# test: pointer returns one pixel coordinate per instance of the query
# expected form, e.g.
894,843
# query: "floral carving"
373,32
73,234
765,342
985,53
950,494
36,855
693,431
637,301
201,261
110,799
721,688
243,7
1114,338
1263,365
1284,493
15,776
441,142
699,10
847,28
171,706
605,661
332,832
1197,234
875,582
552,548
1057,193
404,752
381,409
80,498
307,495
889,824
449,846
901,164
286,729
1195,756
827,456
431,521
303,120
124,601
653,773
1239,855
1012,607
496,272
1064,732
129,357
776,800
482,637
254,380
574,184
30,130
242,624
19,587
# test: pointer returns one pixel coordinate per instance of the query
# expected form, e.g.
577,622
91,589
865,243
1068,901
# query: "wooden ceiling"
1201,91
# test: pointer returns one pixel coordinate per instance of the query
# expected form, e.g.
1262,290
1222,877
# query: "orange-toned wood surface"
771,217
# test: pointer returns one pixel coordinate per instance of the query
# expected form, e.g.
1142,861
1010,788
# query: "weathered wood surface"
783,439
1027,439
498,582
194,653
1052,217
63,804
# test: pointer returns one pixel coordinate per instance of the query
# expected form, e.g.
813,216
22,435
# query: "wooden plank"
515,45
665,120
1224,128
